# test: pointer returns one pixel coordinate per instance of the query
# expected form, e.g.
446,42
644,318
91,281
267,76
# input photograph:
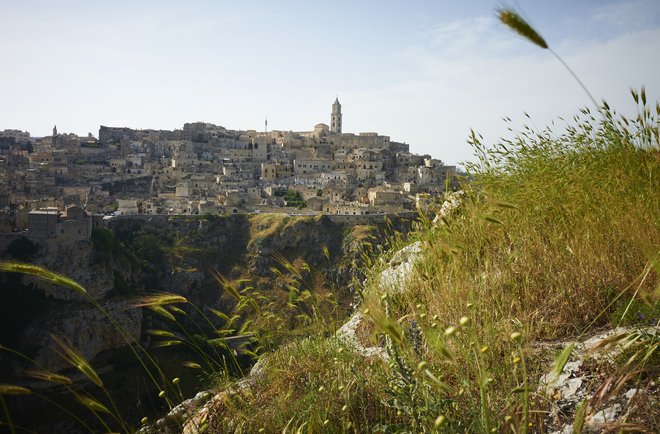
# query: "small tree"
22,249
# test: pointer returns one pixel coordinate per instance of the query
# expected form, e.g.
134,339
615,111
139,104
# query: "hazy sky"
422,72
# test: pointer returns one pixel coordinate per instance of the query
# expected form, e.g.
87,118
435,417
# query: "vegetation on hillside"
277,278
22,249
558,235
292,198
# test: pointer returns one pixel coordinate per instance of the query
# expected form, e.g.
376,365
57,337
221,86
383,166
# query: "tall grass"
212,354
558,234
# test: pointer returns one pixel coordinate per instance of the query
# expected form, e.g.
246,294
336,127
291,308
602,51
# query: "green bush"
294,199
22,249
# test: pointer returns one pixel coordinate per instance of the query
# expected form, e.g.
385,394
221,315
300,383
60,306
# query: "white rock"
571,388
604,416
392,279
566,382
257,369
454,200
348,334
631,394
566,429
395,277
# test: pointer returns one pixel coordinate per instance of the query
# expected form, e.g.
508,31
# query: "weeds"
556,235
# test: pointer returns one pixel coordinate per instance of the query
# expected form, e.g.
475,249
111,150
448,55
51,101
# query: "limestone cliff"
178,255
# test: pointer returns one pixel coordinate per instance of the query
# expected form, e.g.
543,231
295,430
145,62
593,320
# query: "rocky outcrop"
86,328
349,334
70,315
76,261
393,279
583,382
191,416
291,237
453,202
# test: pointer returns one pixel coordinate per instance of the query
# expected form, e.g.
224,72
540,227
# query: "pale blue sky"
422,72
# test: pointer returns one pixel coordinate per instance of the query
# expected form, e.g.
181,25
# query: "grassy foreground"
558,235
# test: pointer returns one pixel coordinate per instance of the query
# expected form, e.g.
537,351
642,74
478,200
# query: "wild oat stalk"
41,273
69,354
515,22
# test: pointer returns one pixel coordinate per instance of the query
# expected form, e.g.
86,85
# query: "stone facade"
335,117
70,225
203,167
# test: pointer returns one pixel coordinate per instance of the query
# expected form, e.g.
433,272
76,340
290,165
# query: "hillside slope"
557,237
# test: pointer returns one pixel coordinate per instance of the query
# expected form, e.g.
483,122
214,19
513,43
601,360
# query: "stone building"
379,196
335,117
275,170
42,223
71,225
308,167
18,135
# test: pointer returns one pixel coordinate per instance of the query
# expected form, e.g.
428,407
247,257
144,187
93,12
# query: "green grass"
314,384
558,235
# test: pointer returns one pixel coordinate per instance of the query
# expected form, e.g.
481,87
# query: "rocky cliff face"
84,327
69,315
75,260
175,255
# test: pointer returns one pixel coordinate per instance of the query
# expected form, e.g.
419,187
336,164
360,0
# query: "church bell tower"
335,117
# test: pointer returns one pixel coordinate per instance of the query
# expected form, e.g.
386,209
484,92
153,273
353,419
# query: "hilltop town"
63,185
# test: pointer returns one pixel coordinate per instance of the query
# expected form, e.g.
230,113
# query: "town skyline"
208,169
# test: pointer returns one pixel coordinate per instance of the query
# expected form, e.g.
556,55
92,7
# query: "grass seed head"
159,299
42,273
92,404
49,377
515,22
77,360
10,389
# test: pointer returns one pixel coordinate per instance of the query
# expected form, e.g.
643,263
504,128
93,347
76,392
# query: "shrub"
22,249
